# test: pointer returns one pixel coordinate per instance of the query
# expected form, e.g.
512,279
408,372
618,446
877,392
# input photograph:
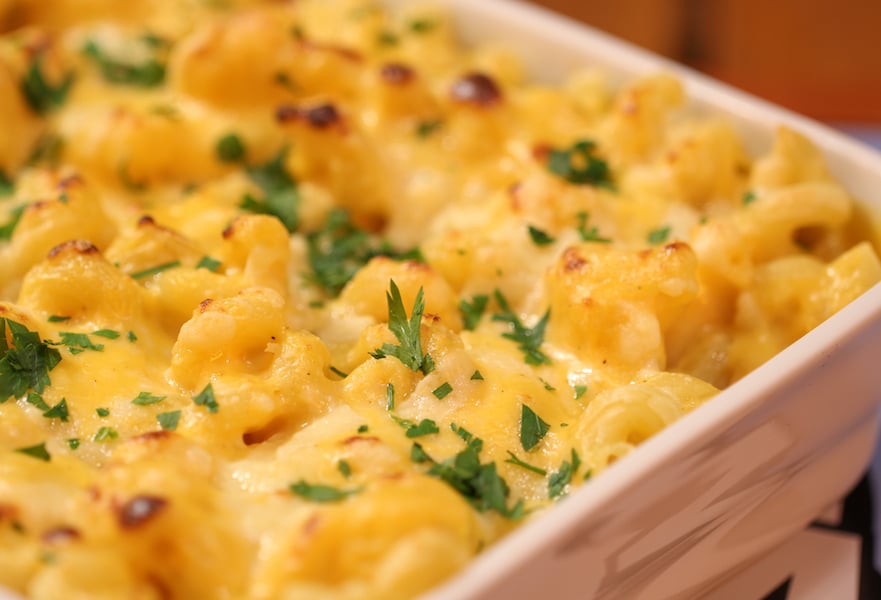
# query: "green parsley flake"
41,95
592,234
36,400
230,148
26,364
748,197
529,340
477,376
390,396
344,468
206,398
580,390
58,319
280,199
168,420
539,237
362,429
426,128
525,465
106,333
409,349
39,452
338,372
73,443
155,270
442,391
132,337
421,25
78,342
7,185
206,262
149,74
579,165
146,398
559,481
472,311
8,229
659,235
321,493
532,428
59,411
105,434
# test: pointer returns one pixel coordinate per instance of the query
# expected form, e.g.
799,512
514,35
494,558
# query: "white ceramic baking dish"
743,472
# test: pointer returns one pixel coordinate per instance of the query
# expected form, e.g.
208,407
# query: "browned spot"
70,181
8,512
396,73
514,196
675,246
312,524
151,436
74,247
360,438
477,89
146,220
572,260
205,304
139,510
320,116
431,317
341,51
260,435
60,535
94,493
396,476
161,588
540,152
39,205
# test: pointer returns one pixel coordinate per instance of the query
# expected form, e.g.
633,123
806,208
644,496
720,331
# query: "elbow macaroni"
213,253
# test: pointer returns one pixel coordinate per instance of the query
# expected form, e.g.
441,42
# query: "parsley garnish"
344,468
413,430
529,339
230,148
336,371
426,128
539,237
479,483
7,187
442,391
390,396
146,398
154,270
106,333
206,262
105,434
280,195
579,165
47,149
168,420
532,428
592,234
78,342
39,93
132,337
409,348
206,398
579,391
520,463
473,311
477,376
149,74
659,235
39,452
387,38
560,480
58,319
748,198
26,364
321,493
59,411
103,412
73,443
340,249
422,25
36,400
14,217
362,428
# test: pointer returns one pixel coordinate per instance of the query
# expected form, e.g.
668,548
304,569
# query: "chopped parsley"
103,412
477,376
73,443
532,428
340,249
58,319
230,148
529,339
47,149
523,464
321,493
7,229
390,396
336,371
146,398
109,334
472,311
362,428
59,411
477,482
409,348
421,25
206,398
7,186
39,452
387,38
592,234
26,365
558,481
442,391
659,235
579,164
154,270
414,430
41,95
206,262
78,342
539,237
579,391
344,468
132,337
281,198
748,198
36,400
426,128
168,420
151,73
105,434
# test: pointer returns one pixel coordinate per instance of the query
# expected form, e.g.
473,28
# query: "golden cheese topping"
305,299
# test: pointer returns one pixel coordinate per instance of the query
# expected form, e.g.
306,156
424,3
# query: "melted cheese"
207,401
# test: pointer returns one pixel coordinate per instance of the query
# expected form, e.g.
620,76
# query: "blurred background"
819,58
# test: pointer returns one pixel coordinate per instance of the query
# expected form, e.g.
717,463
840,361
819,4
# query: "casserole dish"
741,473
